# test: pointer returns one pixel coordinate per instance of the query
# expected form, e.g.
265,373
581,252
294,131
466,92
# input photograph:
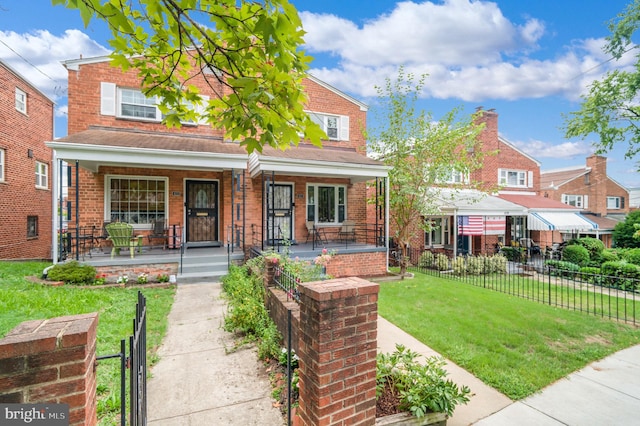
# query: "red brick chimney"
597,184
489,135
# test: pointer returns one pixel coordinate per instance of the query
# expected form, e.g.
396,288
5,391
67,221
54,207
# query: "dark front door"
202,213
279,213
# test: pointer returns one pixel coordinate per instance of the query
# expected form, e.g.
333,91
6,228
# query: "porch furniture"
102,238
121,236
314,233
347,231
159,232
530,245
82,239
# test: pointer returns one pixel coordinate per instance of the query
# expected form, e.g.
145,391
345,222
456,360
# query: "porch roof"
309,160
100,146
476,203
559,221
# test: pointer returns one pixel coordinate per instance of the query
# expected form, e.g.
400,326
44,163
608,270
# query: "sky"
528,60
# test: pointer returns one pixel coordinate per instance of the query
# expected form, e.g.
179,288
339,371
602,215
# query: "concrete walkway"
197,383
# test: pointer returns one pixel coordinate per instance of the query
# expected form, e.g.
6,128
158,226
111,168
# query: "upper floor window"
335,126
513,178
2,165
574,200
326,203
42,175
615,203
21,101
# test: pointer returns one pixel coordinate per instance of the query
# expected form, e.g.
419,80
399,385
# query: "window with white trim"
335,126
439,234
21,101
42,175
138,200
614,203
326,204
512,178
456,177
2,165
573,200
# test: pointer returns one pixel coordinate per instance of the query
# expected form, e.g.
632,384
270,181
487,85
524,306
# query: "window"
455,177
573,200
134,104
614,203
439,234
326,203
136,200
512,178
2,165
335,126
42,175
21,101
32,226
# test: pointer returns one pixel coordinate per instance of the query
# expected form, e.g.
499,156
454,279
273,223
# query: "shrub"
631,255
72,273
514,254
576,254
421,388
476,265
621,274
459,265
426,260
562,268
591,275
442,262
593,245
609,255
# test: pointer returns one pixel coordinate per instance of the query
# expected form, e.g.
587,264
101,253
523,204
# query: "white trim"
107,98
3,164
336,186
512,146
23,101
107,196
40,176
363,106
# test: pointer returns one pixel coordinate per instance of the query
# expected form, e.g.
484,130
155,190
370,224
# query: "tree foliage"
247,52
611,109
623,233
422,154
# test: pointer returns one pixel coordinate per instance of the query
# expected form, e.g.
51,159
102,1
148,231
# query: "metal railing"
287,281
612,297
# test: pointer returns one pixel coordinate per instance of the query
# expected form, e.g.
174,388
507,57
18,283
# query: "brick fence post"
52,361
337,351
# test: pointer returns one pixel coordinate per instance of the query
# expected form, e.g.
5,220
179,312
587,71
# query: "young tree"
624,232
247,51
423,154
611,109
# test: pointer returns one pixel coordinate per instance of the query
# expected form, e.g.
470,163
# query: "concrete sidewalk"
197,383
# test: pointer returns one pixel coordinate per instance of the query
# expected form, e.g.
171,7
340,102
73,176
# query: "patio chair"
347,231
530,245
314,233
159,232
121,236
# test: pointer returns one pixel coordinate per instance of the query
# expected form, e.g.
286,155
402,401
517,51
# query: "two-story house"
25,168
132,168
589,188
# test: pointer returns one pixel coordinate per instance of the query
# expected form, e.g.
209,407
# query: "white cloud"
565,150
37,55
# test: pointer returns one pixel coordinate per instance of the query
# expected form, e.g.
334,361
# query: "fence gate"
136,363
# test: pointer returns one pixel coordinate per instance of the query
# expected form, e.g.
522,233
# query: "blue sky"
530,60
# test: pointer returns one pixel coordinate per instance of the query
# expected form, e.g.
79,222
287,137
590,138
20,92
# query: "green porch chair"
121,236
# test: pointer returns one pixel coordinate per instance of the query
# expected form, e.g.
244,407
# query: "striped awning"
559,221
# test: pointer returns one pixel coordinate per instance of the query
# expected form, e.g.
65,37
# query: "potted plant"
415,393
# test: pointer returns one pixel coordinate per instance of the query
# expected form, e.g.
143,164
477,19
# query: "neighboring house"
25,168
134,169
477,222
590,189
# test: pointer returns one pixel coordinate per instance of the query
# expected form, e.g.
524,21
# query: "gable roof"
515,148
24,80
537,202
555,178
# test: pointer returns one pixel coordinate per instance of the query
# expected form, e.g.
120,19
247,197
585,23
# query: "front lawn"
22,300
514,345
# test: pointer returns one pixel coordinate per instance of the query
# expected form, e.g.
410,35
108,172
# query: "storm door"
202,212
279,206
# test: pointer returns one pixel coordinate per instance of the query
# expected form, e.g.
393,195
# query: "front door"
279,206
202,213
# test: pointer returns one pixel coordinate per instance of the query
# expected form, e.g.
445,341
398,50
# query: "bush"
72,273
609,255
622,275
426,260
576,254
631,255
459,265
591,275
593,245
442,262
562,268
514,254
476,265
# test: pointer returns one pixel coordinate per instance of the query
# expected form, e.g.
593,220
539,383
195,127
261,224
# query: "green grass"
22,300
515,345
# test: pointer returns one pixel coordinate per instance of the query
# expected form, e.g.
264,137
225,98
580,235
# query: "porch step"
198,267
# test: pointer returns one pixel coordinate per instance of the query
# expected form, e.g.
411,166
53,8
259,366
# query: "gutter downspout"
386,218
55,226
455,235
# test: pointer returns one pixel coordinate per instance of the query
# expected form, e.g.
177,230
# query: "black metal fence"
614,297
287,282
136,362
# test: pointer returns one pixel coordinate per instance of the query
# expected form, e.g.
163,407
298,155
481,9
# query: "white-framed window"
138,200
456,177
335,126
439,234
614,203
512,178
574,200
2,164
326,204
21,101
42,175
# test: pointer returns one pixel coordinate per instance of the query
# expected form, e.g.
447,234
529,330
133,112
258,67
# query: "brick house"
589,188
132,168
479,221
25,168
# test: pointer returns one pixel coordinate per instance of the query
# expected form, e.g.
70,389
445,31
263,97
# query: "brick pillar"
337,351
52,361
